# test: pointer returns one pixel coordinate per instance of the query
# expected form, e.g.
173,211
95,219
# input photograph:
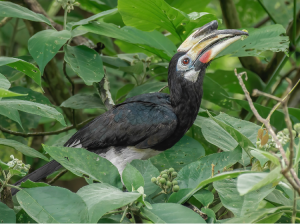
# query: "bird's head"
200,48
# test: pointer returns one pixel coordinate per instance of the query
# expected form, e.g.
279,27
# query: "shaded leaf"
4,83
205,197
132,178
85,62
101,198
146,88
188,6
7,215
53,205
44,45
22,148
7,93
83,101
30,184
93,165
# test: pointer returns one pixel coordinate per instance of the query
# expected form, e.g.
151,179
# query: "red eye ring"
185,61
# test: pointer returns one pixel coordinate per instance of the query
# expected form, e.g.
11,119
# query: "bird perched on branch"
145,125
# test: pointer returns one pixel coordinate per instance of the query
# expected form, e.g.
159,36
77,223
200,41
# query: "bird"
148,124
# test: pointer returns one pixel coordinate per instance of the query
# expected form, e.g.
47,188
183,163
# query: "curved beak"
207,42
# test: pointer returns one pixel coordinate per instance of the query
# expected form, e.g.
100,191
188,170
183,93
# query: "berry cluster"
166,181
266,142
68,4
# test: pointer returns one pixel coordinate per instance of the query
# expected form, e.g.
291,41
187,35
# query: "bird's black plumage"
150,123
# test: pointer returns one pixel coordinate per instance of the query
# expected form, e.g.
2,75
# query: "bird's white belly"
121,157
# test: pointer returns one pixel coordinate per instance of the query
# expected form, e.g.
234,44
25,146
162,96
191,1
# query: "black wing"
139,124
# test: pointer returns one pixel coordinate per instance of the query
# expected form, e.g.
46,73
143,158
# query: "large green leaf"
22,66
85,62
34,108
4,83
188,6
240,205
205,197
22,148
146,168
277,196
101,198
259,40
83,101
7,215
253,181
44,45
228,81
7,93
9,9
132,178
171,213
29,184
242,140
148,15
53,205
194,173
146,88
153,41
93,165
11,113
182,153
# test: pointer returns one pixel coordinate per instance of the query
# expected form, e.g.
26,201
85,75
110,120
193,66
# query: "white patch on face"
192,75
75,144
126,155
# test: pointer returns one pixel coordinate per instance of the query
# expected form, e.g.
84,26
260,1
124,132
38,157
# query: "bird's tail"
38,174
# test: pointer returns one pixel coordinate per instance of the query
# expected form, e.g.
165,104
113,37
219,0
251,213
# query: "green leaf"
30,184
171,213
7,93
240,205
44,45
205,197
22,66
261,158
83,101
11,113
3,166
94,17
242,140
53,205
4,83
188,6
182,153
23,217
148,170
177,196
123,91
228,81
132,178
92,165
9,9
253,181
210,213
7,215
101,198
222,176
22,148
278,197
85,62
34,108
268,155
115,218
146,88
148,15
194,173
267,38
153,41
272,218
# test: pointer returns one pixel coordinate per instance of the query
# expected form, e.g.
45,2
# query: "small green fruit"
163,172
297,127
169,183
174,174
153,180
285,131
171,170
176,188
162,180
294,133
175,182
165,176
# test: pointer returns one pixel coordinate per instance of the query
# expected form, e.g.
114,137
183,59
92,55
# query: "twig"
267,11
296,182
133,219
4,21
43,133
15,30
160,193
294,23
58,176
262,22
163,88
123,216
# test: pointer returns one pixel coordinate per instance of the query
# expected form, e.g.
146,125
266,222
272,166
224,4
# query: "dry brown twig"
294,181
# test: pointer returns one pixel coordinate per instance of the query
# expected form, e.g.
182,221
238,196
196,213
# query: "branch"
232,21
4,21
58,176
295,182
262,22
44,133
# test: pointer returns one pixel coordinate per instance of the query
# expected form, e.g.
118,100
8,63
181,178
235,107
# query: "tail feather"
38,174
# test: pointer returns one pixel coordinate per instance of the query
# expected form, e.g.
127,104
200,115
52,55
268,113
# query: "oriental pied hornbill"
145,125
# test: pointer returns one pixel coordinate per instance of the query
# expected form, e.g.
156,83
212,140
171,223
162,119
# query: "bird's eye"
185,61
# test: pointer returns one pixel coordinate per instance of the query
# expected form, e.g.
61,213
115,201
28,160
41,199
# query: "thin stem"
133,219
65,18
13,186
44,133
4,21
163,88
113,212
15,30
158,194
295,23
267,11
123,216
58,176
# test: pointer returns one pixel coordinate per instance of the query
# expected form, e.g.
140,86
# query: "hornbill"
145,125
